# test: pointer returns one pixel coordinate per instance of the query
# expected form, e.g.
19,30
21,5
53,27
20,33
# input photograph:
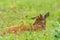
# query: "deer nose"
43,25
43,22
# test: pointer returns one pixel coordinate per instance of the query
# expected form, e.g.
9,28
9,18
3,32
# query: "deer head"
40,22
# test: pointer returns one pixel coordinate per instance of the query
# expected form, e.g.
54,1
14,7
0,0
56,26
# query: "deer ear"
40,16
46,15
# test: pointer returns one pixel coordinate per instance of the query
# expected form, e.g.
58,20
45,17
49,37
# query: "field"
12,12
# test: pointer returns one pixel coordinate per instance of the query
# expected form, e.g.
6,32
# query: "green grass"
12,12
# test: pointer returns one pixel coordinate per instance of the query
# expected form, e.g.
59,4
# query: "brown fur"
16,29
39,24
12,29
25,27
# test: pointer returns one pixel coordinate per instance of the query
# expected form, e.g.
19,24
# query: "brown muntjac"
39,24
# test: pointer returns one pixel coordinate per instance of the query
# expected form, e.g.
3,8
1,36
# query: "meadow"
12,12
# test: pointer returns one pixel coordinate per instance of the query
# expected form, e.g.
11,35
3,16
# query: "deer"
38,25
40,22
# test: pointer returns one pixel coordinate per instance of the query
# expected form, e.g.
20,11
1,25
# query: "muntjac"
39,24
